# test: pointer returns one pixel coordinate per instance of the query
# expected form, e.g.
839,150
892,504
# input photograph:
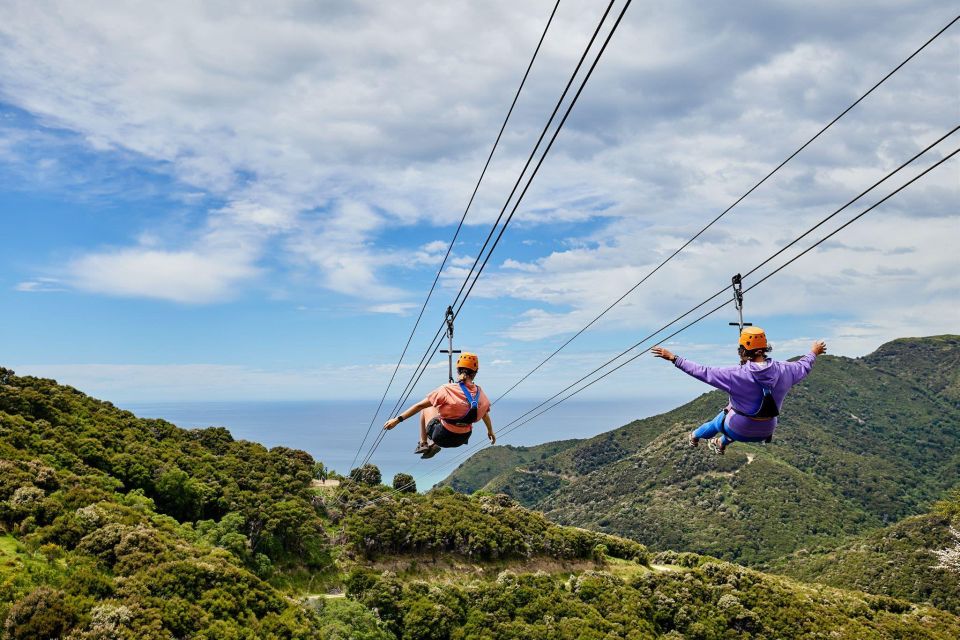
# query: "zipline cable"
520,421
507,428
519,180
724,212
546,151
543,133
754,285
767,260
776,169
456,233
439,335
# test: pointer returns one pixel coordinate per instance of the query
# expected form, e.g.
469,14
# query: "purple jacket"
741,382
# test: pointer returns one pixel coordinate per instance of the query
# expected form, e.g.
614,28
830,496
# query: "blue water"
332,432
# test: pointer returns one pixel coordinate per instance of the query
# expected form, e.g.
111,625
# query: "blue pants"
712,428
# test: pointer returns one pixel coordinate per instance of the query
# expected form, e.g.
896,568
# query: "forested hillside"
117,527
863,442
916,559
120,527
490,462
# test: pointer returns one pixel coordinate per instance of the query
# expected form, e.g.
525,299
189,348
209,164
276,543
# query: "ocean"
332,431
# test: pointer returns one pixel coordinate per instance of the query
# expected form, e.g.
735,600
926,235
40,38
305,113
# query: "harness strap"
465,422
723,426
469,398
768,406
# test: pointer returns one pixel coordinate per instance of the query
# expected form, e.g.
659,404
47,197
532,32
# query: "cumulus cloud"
326,127
182,276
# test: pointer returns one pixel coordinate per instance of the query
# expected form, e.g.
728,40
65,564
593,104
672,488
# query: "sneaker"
432,451
693,440
716,445
423,447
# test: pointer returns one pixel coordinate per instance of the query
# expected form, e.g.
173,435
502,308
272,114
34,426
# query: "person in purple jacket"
757,388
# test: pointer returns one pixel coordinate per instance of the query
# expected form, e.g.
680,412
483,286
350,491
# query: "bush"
405,483
43,613
599,553
368,474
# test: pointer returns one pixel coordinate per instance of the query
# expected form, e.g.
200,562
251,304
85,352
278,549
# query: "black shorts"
445,438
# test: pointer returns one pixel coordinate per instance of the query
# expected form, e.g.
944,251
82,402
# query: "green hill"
604,588
490,462
862,442
112,526
900,560
117,527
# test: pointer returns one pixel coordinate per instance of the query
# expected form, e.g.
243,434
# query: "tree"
367,474
178,495
404,482
426,620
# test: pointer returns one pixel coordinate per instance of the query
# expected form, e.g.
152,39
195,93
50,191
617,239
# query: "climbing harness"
723,428
470,416
767,409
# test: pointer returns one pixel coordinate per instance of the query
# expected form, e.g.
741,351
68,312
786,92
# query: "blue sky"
205,202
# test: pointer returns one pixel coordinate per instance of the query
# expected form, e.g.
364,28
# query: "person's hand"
390,424
819,347
660,352
492,437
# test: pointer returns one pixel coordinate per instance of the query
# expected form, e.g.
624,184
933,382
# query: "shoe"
716,445
423,447
693,440
432,451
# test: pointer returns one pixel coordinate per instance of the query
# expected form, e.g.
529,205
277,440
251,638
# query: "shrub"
43,613
367,474
599,553
404,482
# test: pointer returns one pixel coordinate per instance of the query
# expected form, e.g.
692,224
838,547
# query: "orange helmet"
468,360
753,338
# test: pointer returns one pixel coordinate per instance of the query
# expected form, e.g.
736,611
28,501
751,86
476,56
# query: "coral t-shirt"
452,405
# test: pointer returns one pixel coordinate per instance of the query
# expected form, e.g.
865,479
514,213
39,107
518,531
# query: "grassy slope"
897,560
862,442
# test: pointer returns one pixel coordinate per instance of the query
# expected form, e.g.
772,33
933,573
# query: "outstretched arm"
719,377
490,434
409,413
799,369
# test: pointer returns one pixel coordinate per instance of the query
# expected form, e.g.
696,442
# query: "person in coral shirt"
448,413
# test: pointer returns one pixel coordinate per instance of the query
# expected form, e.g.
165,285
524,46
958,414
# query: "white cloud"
391,107
183,276
326,127
39,285
397,308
